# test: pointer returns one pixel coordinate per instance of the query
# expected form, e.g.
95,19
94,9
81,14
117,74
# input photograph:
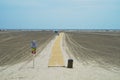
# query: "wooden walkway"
56,58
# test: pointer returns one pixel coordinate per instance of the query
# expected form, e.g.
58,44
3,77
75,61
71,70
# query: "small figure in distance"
56,32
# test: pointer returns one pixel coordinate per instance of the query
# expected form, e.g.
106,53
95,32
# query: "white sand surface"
41,71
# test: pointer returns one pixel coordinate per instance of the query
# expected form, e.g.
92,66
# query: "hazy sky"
65,14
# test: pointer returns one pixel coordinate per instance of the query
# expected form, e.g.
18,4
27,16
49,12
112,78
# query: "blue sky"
60,14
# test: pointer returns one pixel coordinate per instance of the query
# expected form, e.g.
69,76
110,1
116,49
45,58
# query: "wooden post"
33,60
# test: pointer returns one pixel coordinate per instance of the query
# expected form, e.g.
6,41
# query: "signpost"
33,46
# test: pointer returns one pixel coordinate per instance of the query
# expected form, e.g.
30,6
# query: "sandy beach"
41,71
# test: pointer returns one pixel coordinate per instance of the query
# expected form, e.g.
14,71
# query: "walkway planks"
56,58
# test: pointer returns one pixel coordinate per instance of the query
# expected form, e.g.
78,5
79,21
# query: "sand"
41,71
